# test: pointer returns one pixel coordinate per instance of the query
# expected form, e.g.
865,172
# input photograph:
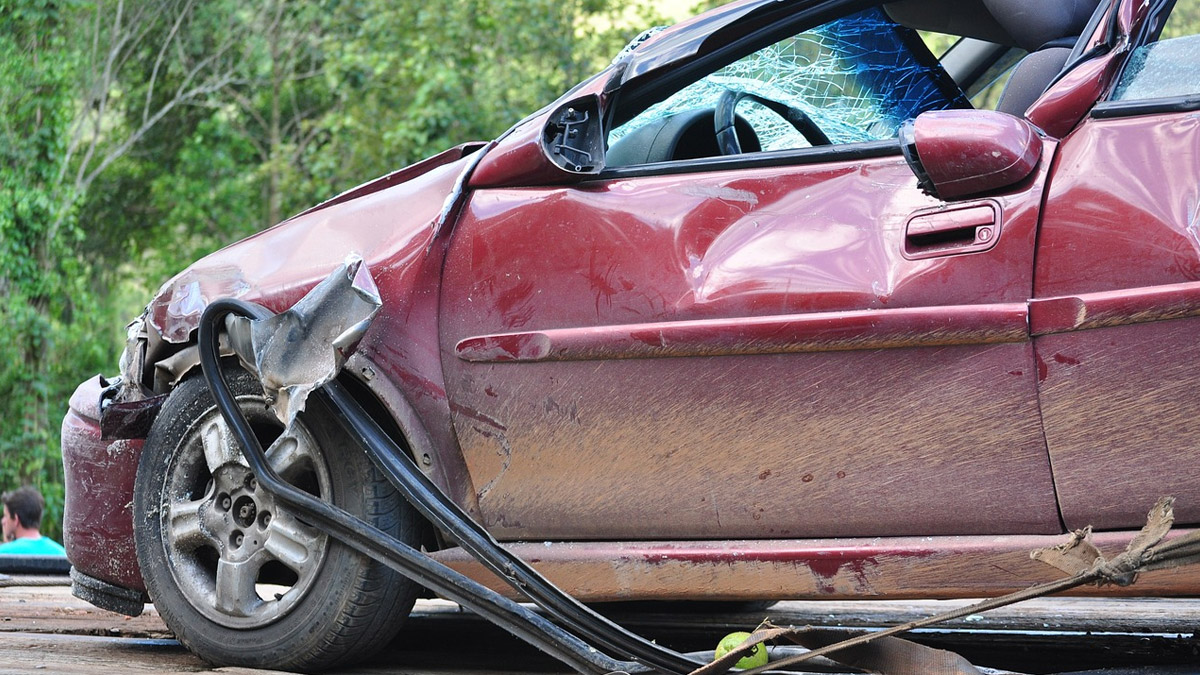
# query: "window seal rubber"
1150,106
838,153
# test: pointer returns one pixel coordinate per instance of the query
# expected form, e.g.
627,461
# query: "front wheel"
239,578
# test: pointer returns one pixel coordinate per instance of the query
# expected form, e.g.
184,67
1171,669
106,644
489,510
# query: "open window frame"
638,94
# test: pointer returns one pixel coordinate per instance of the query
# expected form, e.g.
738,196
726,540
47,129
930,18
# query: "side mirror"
555,147
959,153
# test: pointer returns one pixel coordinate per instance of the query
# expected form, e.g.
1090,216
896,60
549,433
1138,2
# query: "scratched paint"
820,331
802,569
611,276
97,520
657,464
1116,288
1114,393
722,193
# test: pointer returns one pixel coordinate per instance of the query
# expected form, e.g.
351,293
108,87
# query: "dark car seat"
1031,76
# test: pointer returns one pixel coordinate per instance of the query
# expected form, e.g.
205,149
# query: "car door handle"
951,231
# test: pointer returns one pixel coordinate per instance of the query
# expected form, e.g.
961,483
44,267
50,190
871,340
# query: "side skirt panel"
805,569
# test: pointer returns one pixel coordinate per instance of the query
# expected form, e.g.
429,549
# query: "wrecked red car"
778,305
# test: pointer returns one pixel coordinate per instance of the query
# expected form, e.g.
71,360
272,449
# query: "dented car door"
788,342
1117,297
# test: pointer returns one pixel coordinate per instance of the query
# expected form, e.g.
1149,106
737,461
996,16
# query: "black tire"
215,551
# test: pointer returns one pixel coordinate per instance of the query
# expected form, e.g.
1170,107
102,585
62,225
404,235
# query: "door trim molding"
815,332
1113,308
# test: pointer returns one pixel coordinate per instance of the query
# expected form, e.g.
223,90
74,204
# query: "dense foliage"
138,135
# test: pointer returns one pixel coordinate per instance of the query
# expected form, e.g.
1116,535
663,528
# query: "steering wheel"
724,117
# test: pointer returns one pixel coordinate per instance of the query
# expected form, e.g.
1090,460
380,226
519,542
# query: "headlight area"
151,367
127,405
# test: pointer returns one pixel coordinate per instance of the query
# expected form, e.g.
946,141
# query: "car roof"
694,36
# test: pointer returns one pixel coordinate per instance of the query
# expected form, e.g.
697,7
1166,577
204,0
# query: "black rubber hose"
374,543
403,473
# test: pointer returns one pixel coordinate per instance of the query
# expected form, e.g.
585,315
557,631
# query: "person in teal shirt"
21,521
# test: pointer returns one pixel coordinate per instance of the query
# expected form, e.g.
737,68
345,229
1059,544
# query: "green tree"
137,135
40,284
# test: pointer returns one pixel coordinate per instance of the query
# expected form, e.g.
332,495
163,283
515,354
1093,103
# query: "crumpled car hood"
387,221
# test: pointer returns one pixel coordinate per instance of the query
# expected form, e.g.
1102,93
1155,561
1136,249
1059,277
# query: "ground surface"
45,630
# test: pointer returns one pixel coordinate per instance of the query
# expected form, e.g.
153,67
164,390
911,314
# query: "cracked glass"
857,78
1169,67
1161,70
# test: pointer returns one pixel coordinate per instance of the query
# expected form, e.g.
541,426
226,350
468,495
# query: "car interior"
821,87
1049,33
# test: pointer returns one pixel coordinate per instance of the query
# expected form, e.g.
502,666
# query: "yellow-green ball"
756,658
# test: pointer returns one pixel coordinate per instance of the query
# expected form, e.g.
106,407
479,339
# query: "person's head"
22,511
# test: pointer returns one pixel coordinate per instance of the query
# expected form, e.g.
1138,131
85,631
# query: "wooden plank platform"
46,630
1131,615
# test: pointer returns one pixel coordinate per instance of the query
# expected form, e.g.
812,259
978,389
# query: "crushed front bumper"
98,477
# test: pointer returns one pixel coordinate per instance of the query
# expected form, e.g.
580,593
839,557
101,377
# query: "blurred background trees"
138,135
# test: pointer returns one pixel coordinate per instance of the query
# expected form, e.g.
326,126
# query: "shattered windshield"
858,78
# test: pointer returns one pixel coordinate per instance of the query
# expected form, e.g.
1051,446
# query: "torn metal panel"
563,642
133,358
186,296
297,351
169,371
130,419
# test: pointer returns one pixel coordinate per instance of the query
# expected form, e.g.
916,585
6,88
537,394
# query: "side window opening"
1183,21
938,43
856,79
985,92
981,68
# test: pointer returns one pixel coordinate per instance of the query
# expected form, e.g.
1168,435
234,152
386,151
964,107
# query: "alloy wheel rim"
238,558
